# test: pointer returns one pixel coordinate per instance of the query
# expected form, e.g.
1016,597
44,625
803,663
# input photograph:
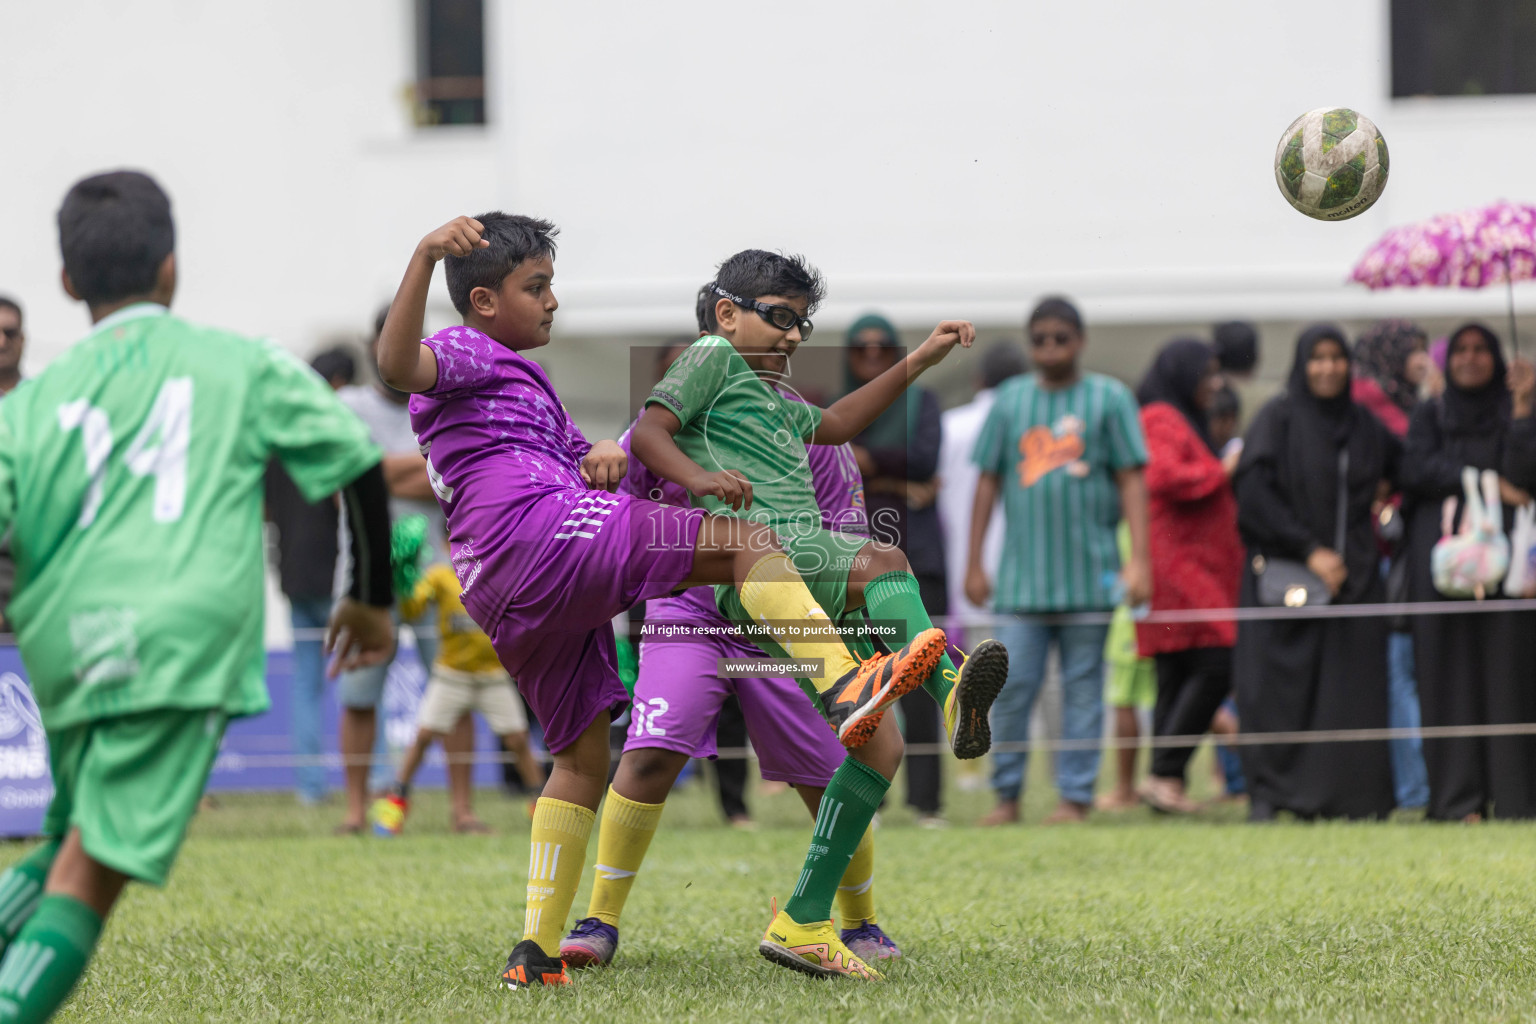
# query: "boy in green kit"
131,476
713,426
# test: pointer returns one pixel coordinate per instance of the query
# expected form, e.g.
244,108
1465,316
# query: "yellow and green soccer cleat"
814,949
976,685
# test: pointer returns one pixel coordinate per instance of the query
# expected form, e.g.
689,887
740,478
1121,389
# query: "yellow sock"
774,594
556,858
856,892
622,839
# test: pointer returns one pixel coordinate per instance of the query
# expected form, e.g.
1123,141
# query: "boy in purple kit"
678,697
546,558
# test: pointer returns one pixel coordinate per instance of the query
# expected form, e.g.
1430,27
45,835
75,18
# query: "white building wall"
933,159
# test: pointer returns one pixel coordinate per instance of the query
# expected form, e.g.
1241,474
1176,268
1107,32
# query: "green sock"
894,596
847,807
47,958
21,889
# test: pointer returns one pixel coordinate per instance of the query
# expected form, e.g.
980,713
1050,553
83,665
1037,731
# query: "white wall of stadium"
933,159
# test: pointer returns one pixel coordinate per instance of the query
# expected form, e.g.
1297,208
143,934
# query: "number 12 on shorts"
159,449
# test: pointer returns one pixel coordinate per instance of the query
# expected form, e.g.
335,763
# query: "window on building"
1463,47
450,62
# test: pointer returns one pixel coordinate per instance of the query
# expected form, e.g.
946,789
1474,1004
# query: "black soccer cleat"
981,679
529,966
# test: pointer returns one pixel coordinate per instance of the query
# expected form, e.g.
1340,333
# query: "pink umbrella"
1471,249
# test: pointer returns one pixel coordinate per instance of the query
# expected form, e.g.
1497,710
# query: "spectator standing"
899,457
13,343
959,428
387,416
1196,559
1473,669
1065,449
1391,361
306,572
1308,674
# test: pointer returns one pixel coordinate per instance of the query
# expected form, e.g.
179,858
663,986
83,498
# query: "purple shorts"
678,698
555,635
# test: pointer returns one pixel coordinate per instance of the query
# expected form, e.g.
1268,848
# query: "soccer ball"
1331,163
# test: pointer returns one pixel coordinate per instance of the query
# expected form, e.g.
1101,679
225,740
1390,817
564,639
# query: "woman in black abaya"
1473,669
1312,674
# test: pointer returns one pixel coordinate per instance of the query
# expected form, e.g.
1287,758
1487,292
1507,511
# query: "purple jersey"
503,456
544,561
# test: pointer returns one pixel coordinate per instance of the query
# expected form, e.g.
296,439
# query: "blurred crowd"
1066,514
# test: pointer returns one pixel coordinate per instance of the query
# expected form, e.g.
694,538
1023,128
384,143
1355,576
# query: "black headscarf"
1336,412
1485,411
1175,377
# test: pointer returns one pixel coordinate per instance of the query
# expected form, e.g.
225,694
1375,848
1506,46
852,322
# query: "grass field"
268,917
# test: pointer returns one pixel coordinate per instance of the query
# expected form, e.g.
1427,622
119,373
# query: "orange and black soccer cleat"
856,702
529,966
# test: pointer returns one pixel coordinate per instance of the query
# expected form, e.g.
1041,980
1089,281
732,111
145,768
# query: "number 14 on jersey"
159,449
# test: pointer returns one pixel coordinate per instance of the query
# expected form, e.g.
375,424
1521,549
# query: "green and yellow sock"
856,891
894,596
775,595
847,807
46,959
557,855
622,838
21,889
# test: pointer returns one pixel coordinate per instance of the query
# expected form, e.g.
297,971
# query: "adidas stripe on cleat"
977,684
855,703
529,966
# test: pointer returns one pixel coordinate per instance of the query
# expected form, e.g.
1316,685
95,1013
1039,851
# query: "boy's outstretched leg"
852,696
890,593
801,936
562,823
49,954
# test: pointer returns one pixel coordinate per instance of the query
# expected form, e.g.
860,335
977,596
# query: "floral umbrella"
1470,249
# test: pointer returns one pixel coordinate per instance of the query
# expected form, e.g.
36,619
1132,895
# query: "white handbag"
1521,581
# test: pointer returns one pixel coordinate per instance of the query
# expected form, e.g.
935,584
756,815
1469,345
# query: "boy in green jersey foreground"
713,414
131,478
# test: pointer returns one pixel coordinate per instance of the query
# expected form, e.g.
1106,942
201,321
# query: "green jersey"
732,420
1056,453
131,476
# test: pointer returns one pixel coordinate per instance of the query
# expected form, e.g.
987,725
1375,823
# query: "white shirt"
957,496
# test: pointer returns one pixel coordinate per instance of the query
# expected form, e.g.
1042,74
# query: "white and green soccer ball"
1331,163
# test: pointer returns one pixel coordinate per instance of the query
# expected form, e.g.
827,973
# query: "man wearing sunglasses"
13,341
1065,450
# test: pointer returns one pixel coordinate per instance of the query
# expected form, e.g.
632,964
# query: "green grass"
267,917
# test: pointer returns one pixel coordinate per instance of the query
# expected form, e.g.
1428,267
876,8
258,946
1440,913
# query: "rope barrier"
1250,739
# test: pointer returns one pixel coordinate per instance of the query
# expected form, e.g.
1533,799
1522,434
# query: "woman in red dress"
1196,558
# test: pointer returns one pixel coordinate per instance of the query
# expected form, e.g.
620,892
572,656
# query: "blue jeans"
307,700
1081,650
1409,777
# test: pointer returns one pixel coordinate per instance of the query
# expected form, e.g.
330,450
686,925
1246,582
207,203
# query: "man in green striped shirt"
1065,449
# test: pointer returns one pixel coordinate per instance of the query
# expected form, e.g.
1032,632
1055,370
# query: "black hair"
1237,346
514,238
378,320
335,362
1000,361
9,303
1059,308
753,273
1226,402
115,230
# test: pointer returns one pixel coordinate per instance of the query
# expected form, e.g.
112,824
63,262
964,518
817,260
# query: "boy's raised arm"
405,364
847,417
